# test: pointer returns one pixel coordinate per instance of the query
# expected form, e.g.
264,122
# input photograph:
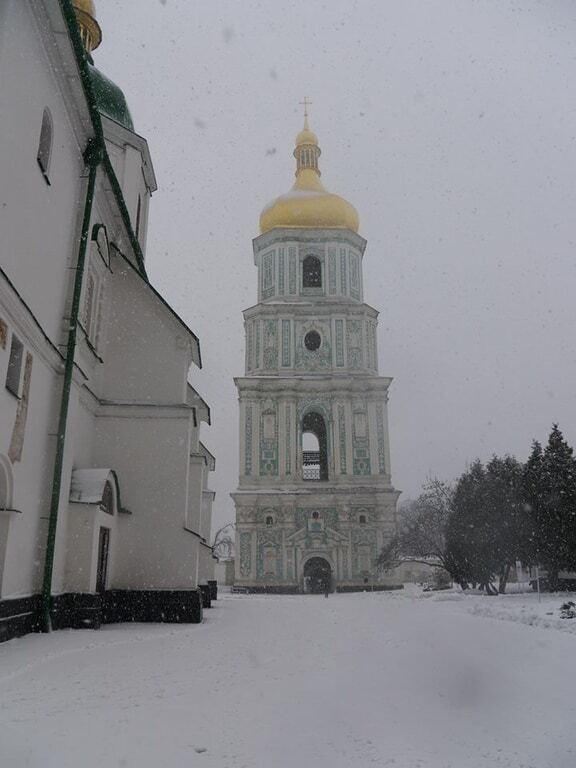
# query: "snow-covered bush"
568,610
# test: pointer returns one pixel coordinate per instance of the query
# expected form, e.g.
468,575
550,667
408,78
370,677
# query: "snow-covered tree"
549,485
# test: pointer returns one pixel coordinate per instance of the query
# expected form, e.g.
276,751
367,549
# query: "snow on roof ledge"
197,401
87,485
210,459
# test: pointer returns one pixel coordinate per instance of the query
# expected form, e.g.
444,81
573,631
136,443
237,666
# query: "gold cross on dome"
305,104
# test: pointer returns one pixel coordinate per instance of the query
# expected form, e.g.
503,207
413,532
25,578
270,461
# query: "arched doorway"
317,575
314,447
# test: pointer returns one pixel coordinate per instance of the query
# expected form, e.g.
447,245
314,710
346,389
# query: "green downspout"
92,158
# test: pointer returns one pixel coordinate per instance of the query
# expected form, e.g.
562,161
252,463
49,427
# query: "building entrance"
317,575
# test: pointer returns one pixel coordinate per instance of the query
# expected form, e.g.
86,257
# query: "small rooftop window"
45,144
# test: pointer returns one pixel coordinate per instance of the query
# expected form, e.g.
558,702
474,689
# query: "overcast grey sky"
449,124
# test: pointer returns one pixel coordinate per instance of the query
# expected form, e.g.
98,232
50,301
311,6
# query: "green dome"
110,99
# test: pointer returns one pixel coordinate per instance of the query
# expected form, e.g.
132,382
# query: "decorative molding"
245,553
342,438
313,360
248,441
288,429
354,276
354,343
361,441
381,439
249,345
281,271
339,326
292,277
343,280
257,351
270,344
332,289
269,440
268,274
286,351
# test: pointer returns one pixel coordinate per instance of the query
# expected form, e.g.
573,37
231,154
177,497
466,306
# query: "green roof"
110,99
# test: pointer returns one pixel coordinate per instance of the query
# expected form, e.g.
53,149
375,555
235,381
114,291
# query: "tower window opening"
312,341
311,272
45,144
362,519
269,520
314,448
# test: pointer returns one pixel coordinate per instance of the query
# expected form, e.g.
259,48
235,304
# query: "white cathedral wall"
25,529
39,228
206,569
38,222
147,354
149,451
194,508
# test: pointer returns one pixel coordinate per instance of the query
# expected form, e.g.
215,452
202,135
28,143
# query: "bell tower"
315,501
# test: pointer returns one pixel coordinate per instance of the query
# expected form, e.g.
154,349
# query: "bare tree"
223,542
421,529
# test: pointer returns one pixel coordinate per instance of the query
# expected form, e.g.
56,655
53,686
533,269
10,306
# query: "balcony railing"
311,465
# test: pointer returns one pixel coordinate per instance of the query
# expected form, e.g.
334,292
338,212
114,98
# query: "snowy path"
294,682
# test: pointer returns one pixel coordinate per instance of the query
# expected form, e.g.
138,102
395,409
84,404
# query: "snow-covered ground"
399,680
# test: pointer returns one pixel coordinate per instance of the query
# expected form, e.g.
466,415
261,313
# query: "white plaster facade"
131,409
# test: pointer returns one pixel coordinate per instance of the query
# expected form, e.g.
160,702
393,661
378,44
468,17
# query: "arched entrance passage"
314,458
317,575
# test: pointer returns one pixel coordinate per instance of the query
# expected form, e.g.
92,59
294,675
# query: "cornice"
327,384
137,410
332,307
300,236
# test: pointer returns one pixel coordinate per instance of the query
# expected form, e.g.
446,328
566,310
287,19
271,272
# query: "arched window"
45,144
362,519
107,503
311,272
314,448
269,520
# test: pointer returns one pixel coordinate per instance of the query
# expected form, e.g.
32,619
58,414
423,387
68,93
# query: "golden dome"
306,136
308,204
89,28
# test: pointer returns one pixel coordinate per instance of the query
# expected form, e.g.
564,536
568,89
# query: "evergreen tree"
550,492
471,538
511,523
488,529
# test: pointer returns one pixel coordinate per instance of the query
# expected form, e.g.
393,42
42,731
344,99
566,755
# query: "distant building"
315,501
105,509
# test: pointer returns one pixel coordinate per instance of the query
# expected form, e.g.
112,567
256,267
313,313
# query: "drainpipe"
92,158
